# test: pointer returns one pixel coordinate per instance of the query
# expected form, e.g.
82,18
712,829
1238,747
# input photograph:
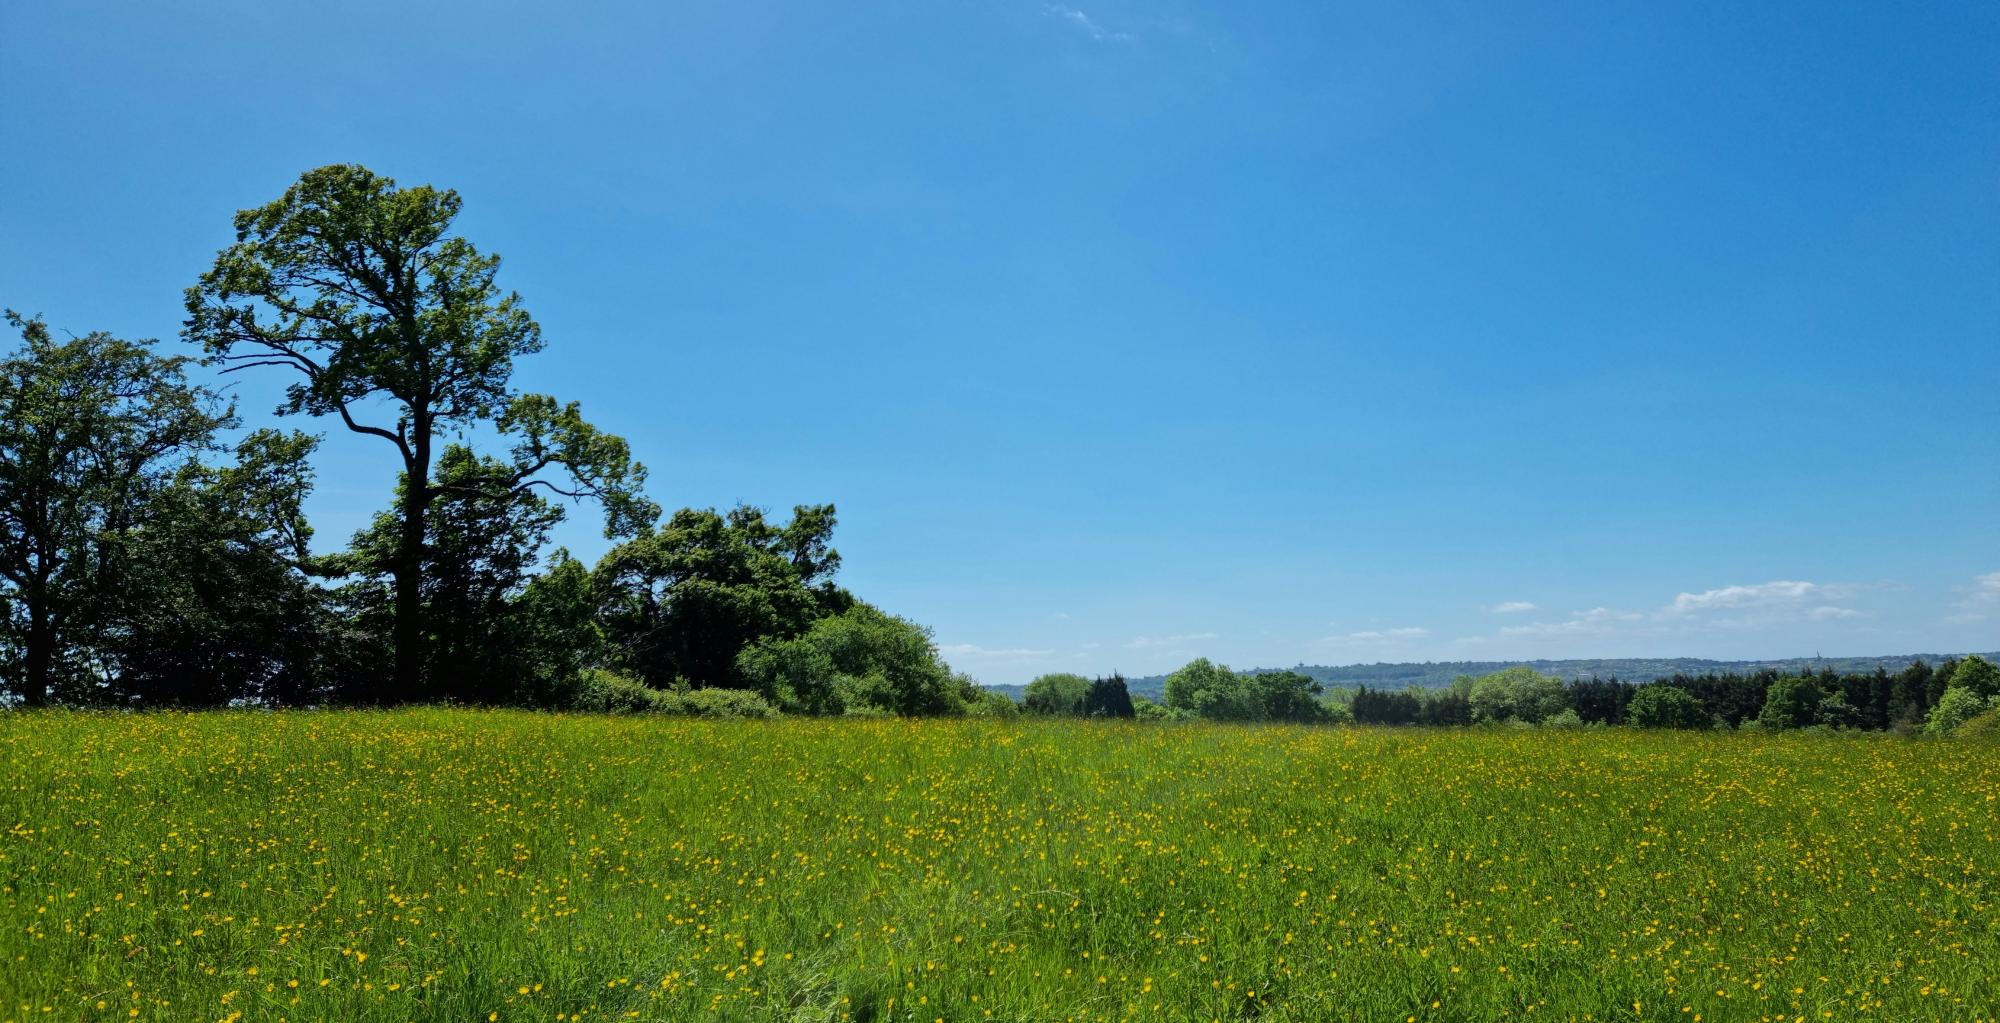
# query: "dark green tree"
860,659
214,604
1285,696
90,429
481,545
1108,698
680,603
360,289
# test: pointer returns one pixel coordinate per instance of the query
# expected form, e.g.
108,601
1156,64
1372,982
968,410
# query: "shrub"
1336,712
1663,706
1986,724
991,704
1958,706
1108,698
1567,718
1791,703
1522,694
1285,696
861,656
1836,712
1059,695
1977,674
717,703
599,691
1202,687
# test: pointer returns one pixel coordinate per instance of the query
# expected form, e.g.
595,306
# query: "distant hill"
1437,674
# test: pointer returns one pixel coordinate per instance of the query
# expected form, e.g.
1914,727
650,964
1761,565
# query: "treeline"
1941,699
153,554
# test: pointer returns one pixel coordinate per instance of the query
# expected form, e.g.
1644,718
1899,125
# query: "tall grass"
458,865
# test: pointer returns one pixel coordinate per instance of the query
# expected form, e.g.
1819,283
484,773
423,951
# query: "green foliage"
1977,674
1185,688
606,692
598,691
687,599
1984,725
1056,695
477,560
1791,703
1515,694
210,605
104,509
359,289
1958,705
555,632
1664,706
1207,690
717,703
858,658
989,704
1108,698
1835,712
1565,718
1285,696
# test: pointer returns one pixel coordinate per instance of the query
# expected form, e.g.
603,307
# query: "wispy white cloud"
1596,621
1153,642
1981,599
1510,607
1771,594
1828,612
975,652
1369,637
1086,24
1986,588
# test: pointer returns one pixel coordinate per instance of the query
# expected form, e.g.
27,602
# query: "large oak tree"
359,288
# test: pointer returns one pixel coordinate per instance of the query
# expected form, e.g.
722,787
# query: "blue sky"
1124,332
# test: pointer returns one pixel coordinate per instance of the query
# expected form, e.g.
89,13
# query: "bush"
1522,694
606,692
1207,689
1836,712
1977,674
1791,703
717,703
1147,710
1568,718
1986,724
1335,712
1212,691
598,691
1056,695
991,704
1957,707
860,657
1663,706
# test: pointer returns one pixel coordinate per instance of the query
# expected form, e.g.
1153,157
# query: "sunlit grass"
457,865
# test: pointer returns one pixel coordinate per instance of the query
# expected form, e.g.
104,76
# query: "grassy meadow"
462,865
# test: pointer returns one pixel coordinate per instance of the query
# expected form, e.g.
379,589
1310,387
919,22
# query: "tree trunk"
410,636
38,657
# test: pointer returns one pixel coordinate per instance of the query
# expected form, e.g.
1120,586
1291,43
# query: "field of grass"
458,865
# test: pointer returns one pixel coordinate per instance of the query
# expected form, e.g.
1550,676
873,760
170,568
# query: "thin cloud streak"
1085,24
